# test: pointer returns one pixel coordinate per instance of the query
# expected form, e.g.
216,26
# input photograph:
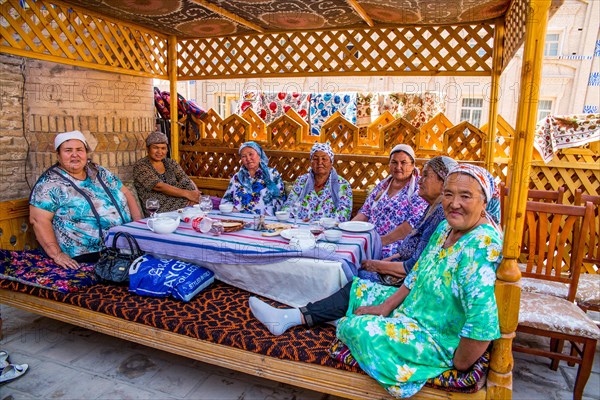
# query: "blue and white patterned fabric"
74,223
324,105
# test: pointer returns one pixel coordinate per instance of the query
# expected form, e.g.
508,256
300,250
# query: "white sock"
275,319
334,322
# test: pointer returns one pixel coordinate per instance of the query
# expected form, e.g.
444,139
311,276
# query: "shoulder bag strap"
112,198
85,196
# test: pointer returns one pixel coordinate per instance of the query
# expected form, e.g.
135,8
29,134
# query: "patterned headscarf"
441,165
244,176
405,149
488,184
333,183
156,138
325,147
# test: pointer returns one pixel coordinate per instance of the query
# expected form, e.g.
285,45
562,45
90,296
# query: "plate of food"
356,226
296,233
232,225
274,229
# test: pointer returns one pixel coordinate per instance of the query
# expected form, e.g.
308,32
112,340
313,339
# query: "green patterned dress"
451,296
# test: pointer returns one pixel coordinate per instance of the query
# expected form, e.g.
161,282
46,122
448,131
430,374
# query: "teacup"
282,215
303,243
226,208
163,224
190,213
328,222
332,235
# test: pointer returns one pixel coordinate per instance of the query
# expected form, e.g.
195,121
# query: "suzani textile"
451,296
564,131
270,106
415,108
324,105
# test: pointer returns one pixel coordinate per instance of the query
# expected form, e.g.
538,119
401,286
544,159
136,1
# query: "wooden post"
490,148
508,291
172,62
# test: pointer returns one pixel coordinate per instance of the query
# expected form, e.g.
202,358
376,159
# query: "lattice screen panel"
284,133
399,131
55,32
514,29
258,129
465,142
572,168
431,136
341,134
419,50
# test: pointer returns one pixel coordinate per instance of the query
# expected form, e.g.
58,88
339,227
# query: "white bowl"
226,208
332,235
282,215
328,223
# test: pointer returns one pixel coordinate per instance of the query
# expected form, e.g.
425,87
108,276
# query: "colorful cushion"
451,380
35,269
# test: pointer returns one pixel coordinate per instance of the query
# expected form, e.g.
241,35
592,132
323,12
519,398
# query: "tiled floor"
68,362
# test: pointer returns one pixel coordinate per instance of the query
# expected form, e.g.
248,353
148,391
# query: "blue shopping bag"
162,277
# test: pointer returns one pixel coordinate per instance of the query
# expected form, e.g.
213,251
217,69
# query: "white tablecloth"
267,266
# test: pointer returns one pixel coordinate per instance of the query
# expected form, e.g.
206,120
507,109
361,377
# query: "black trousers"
328,309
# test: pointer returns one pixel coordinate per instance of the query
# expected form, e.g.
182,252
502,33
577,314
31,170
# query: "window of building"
226,104
471,110
544,109
551,45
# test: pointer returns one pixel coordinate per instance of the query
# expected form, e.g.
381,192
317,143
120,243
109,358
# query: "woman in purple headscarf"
321,192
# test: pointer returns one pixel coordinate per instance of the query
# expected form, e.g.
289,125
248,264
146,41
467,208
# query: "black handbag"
113,266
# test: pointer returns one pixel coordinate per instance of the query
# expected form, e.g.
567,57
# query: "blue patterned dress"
257,200
451,296
74,223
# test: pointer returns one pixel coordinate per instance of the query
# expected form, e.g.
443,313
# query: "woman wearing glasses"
394,206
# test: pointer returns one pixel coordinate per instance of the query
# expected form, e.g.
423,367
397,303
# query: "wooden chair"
588,290
546,196
549,230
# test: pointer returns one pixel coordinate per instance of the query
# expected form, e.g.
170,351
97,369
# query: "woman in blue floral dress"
75,202
394,206
321,192
255,188
445,314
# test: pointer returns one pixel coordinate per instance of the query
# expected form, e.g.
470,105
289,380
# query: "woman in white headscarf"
321,192
394,206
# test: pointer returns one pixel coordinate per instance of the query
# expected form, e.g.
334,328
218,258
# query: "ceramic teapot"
163,224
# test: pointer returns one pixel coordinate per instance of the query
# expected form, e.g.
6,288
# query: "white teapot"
163,224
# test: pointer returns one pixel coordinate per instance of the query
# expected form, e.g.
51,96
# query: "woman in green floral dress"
444,315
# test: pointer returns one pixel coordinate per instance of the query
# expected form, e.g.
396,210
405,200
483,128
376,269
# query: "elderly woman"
75,202
161,178
394,206
321,192
255,188
393,270
445,314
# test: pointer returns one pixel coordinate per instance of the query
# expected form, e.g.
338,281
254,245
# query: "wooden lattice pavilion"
202,39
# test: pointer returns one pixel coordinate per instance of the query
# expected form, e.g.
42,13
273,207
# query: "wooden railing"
209,150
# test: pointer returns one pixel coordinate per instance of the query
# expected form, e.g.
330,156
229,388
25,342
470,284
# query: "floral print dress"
74,223
259,200
317,205
390,212
451,296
